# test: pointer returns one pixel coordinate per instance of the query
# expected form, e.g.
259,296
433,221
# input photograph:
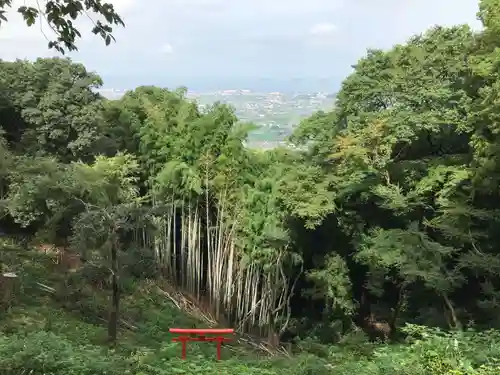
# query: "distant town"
275,113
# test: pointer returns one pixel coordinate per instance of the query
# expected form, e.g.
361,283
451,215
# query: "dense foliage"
381,224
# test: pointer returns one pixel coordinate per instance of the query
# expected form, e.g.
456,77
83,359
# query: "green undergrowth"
56,325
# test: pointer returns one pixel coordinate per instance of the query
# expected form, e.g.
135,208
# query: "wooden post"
184,341
201,333
220,339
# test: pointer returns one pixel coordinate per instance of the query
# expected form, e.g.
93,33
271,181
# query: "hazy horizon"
208,84
209,45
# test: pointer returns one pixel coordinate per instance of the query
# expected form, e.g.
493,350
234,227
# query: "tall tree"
50,107
109,193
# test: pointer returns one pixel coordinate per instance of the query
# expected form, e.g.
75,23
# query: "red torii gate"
185,335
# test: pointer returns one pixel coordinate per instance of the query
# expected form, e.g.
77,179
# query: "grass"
56,325
69,312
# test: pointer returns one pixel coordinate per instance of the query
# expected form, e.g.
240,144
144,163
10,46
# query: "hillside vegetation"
372,248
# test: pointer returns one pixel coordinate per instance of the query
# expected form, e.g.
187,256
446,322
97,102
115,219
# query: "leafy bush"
44,353
435,354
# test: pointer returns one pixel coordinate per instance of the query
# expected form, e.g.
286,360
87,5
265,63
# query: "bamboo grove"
385,207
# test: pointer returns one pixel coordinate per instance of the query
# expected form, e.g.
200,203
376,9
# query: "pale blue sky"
208,43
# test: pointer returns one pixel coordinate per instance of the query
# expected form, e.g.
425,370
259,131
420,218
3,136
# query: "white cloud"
323,28
281,8
167,49
243,37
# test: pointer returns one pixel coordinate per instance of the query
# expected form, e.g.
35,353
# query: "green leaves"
331,280
177,178
29,14
412,254
408,158
59,15
33,183
304,192
489,15
108,181
394,190
52,109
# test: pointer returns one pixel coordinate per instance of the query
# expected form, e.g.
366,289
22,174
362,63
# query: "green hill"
371,247
56,324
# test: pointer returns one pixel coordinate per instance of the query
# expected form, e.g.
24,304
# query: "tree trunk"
8,281
397,311
115,298
454,319
273,337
